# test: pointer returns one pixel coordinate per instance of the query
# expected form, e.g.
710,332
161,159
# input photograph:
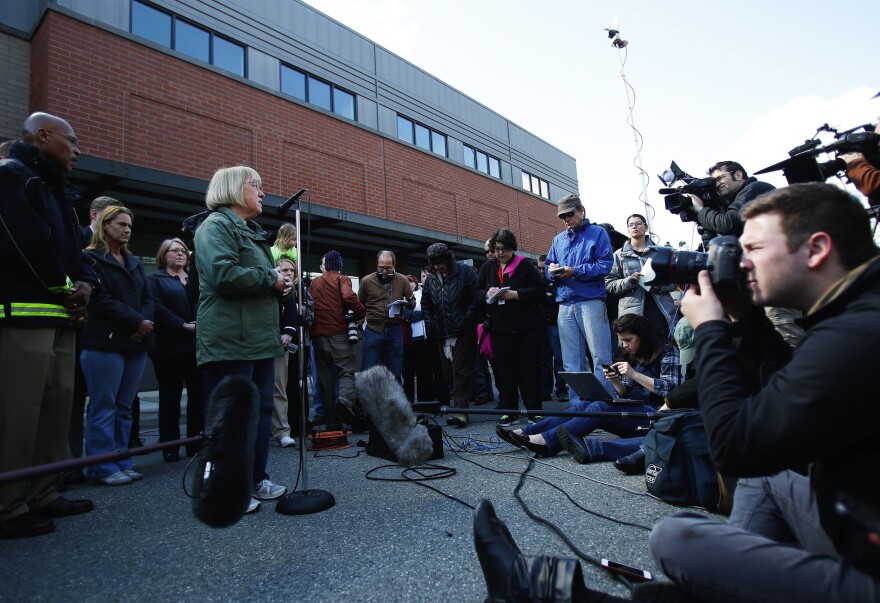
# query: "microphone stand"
304,501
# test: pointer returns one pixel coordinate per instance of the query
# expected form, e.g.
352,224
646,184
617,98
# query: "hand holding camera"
700,304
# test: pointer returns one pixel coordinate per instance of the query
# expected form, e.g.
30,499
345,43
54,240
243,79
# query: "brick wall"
15,55
133,104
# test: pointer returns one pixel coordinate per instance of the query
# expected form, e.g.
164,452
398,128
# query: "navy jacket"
118,307
40,240
174,306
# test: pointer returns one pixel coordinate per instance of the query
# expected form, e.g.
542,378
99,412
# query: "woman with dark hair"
648,371
114,344
512,291
654,303
174,356
239,305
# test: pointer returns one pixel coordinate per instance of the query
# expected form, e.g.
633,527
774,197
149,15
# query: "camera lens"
671,266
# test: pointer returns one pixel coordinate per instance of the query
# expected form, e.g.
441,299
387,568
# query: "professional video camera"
677,201
802,165
669,266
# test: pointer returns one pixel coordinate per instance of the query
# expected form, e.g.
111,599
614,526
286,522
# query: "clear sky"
745,81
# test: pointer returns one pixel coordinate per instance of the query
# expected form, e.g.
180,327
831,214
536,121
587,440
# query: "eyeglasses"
385,268
502,250
73,140
259,187
635,224
566,215
176,250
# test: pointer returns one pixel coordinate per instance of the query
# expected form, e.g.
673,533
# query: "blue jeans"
113,381
384,348
611,450
583,328
551,363
584,426
262,373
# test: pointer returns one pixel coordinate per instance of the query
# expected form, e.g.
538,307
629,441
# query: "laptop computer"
588,387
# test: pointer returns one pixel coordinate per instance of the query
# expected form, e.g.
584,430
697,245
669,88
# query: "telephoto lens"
351,319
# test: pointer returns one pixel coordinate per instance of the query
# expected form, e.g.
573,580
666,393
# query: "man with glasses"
46,287
578,260
383,335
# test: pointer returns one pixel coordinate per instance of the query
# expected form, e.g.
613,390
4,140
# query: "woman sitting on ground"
649,370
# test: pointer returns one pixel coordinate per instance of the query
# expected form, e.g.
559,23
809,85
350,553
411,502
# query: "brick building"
162,93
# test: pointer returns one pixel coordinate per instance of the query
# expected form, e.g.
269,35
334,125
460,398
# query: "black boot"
514,577
634,464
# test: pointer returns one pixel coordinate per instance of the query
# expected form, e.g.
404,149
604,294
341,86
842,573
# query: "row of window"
169,30
539,186
308,88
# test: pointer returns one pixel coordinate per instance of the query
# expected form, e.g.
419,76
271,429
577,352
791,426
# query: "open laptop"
588,387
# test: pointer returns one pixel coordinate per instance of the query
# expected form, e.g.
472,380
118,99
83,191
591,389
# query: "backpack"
678,466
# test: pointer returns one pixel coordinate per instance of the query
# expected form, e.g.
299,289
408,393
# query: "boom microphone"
285,207
387,406
224,468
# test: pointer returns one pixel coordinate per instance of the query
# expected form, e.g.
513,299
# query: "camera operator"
735,190
865,176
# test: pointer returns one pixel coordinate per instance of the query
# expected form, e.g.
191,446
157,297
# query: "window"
421,135
157,26
192,40
482,162
228,55
150,23
536,185
293,82
309,88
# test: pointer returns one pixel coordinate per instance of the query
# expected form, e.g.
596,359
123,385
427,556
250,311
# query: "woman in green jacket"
239,300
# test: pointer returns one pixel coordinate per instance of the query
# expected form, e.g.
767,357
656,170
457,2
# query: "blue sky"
744,81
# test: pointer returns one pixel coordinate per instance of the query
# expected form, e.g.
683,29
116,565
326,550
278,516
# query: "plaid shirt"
670,374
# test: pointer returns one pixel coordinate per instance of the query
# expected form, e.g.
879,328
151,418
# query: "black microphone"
284,207
224,468
387,406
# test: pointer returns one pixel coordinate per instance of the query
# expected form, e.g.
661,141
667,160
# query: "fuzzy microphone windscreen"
224,468
386,404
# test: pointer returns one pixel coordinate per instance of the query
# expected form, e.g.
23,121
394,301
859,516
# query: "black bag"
678,467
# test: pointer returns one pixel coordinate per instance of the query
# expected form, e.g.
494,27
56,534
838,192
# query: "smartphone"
555,271
613,369
625,570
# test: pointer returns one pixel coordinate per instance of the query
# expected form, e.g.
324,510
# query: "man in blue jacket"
43,295
578,260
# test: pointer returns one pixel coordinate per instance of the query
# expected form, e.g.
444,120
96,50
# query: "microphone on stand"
285,207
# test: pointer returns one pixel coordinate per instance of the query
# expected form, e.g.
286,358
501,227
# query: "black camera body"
721,260
676,199
350,318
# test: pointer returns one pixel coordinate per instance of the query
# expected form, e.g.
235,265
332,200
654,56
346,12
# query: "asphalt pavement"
385,539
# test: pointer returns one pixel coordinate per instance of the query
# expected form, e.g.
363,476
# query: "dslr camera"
350,318
676,199
669,266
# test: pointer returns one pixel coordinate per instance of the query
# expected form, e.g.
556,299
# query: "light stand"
304,501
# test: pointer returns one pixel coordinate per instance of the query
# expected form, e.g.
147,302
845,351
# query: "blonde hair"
99,239
227,186
163,250
286,236
281,260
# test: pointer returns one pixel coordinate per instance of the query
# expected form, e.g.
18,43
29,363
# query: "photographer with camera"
336,309
735,190
790,537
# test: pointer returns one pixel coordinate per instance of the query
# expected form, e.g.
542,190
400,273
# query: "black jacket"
118,307
174,306
821,408
727,220
518,315
449,306
40,240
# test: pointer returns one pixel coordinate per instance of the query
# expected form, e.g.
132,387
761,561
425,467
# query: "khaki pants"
36,373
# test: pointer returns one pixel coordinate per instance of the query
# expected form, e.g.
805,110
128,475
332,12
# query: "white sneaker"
286,442
266,490
253,507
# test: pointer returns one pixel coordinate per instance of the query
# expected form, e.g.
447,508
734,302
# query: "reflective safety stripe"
63,289
2,312
49,310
